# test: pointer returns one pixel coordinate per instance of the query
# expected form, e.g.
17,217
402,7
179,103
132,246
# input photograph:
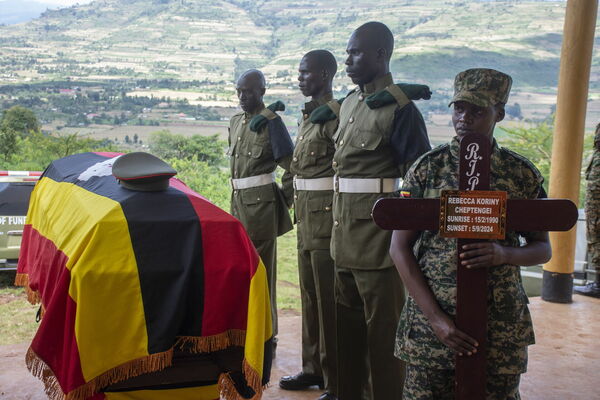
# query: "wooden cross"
509,215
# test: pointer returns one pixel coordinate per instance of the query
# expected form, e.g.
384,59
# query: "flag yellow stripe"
110,326
259,328
195,393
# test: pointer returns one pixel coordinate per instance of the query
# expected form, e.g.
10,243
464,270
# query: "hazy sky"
64,2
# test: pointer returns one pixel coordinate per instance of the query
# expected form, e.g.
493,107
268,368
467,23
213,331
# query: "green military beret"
268,113
482,86
326,112
400,93
142,171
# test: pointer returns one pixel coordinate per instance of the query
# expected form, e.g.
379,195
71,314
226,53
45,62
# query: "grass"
17,316
288,288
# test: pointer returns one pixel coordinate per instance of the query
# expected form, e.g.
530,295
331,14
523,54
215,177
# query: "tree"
37,150
535,143
20,120
209,149
209,181
8,143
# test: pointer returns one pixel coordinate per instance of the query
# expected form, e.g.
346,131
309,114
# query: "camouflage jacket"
312,159
263,210
510,330
371,143
592,174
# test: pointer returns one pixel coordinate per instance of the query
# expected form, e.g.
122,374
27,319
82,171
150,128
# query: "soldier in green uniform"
592,216
313,196
427,338
376,142
258,143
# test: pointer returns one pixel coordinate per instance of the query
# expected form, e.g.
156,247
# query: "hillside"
141,43
213,39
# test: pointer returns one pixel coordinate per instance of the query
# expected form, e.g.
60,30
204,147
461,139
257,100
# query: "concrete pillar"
567,148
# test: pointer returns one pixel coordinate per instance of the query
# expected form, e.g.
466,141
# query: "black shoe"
591,289
300,381
327,396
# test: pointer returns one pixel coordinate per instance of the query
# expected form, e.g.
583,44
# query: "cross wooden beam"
505,215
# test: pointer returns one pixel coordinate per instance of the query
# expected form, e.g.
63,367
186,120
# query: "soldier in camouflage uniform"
258,143
376,142
313,195
592,216
427,338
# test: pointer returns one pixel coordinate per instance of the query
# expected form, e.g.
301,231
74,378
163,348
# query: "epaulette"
327,112
523,160
401,93
437,149
269,113
238,115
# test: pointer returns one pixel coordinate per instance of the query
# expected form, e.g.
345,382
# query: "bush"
205,179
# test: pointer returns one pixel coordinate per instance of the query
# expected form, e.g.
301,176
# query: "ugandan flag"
125,277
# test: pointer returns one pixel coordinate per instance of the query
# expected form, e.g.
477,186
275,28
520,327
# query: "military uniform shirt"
312,159
510,329
262,209
592,173
592,210
371,143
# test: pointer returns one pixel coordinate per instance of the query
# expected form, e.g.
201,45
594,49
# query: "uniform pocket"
311,154
365,140
509,299
320,217
259,212
258,195
256,151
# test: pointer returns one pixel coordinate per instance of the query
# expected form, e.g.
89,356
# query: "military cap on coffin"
142,171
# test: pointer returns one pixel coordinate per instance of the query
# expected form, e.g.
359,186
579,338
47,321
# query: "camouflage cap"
481,86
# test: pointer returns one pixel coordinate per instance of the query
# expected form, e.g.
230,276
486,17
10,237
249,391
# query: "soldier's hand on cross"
483,255
445,329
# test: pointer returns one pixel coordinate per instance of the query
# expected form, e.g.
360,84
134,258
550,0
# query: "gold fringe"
151,363
227,387
42,371
144,365
22,280
209,344
33,297
253,378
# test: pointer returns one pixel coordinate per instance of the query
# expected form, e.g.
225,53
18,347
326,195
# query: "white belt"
253,181
366,185
313,184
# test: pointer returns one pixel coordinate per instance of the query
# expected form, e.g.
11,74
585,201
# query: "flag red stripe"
224,286
58,325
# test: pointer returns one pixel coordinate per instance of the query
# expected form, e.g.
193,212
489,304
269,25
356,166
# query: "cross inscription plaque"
471,298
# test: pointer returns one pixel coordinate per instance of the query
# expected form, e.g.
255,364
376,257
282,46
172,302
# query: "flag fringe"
209,344
253,379
151,363
21,280
144,365
33,297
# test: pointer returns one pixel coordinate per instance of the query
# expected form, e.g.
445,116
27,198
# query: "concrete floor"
563,365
